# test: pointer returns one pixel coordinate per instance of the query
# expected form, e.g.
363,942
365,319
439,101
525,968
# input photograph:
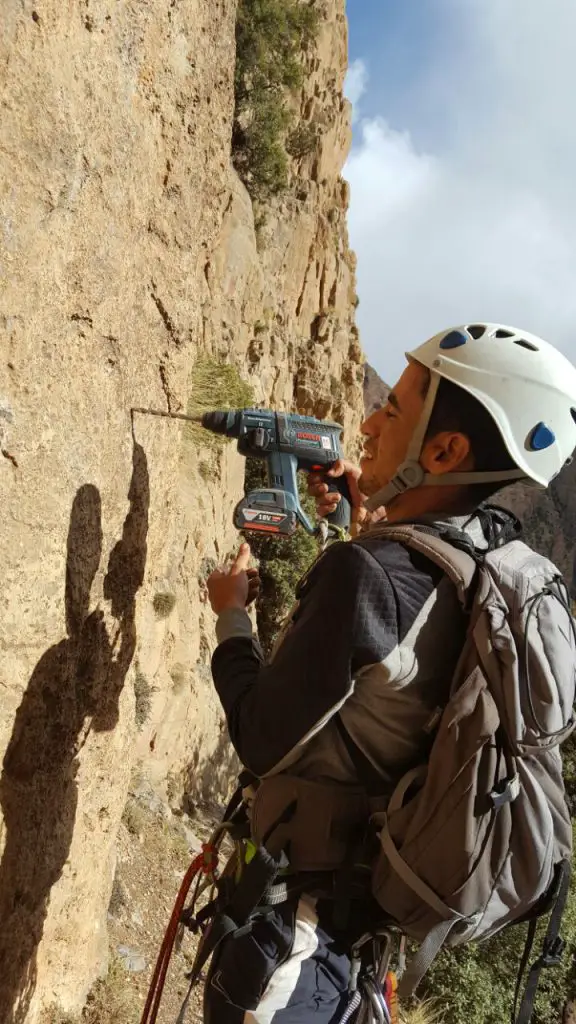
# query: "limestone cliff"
128,252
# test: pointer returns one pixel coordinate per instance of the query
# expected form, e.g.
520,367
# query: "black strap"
368,777
552,947
530,934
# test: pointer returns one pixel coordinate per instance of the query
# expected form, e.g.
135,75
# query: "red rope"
206,862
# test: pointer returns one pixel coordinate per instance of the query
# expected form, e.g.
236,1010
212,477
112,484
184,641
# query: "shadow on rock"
74,689
211,781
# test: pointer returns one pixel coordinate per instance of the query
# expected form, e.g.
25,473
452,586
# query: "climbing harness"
373,986
253,883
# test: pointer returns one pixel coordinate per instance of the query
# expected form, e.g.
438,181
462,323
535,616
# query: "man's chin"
369,486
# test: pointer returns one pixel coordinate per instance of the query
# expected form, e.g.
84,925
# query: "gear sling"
475,839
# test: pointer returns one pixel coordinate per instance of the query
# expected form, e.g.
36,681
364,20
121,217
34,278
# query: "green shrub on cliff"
270,36
282,563
475,984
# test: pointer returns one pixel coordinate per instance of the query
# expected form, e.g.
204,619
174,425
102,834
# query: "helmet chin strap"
411,474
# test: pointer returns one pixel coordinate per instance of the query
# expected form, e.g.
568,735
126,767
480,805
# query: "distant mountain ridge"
375,390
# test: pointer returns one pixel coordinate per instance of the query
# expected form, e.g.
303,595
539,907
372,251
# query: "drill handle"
342,515
283,474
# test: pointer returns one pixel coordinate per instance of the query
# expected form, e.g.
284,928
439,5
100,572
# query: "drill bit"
167,415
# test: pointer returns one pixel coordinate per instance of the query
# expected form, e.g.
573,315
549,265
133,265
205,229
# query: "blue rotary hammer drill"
287,443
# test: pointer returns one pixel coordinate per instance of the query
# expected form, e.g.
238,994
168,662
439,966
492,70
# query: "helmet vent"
477,330
501,333
526,344
573,413
453,340
540,437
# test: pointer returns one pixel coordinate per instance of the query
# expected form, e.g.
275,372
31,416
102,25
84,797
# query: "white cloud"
484,225
391,173
355,85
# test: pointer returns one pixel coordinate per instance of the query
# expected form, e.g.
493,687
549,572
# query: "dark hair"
457,410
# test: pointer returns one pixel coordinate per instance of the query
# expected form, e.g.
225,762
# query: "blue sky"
463,203
392,38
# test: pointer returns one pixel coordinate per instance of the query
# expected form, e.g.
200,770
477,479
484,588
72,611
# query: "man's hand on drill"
235,587
326,501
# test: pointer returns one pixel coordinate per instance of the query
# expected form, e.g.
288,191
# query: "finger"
319,489
338,469
344,466
242,560
252,574
329,503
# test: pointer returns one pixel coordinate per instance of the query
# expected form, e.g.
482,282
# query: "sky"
462,170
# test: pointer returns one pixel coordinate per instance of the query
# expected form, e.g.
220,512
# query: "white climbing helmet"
527,386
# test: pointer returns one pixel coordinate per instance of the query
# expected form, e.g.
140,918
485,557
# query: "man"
371,648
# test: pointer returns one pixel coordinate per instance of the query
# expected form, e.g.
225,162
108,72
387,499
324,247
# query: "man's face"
388,430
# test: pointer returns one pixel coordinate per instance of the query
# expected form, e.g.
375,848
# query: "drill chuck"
225,423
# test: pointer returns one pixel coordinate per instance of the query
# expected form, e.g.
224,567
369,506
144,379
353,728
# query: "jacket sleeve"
346,619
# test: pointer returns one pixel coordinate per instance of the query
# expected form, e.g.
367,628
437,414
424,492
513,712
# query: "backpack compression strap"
456,563
552,947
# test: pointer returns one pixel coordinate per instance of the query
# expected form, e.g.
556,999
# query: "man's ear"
447,452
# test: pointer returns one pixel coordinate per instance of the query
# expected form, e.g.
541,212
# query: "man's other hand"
236,586
326,501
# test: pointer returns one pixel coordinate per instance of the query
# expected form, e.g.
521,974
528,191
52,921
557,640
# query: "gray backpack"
480,836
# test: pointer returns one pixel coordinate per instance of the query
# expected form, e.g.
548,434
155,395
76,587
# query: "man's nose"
370,427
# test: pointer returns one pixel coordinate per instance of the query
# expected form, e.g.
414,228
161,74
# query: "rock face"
128,251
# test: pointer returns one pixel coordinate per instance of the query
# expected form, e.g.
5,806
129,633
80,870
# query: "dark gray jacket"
374,638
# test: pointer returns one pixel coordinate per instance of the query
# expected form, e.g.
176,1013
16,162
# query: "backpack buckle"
552,952
506,792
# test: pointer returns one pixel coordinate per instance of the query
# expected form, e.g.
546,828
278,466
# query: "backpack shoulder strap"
456,563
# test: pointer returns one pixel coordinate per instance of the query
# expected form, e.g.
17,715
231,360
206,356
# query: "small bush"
214,385
425,1012
173,788
111,1000
143,691
164,602
175,841
54,1015
134,818
302,140
118,898
270,36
